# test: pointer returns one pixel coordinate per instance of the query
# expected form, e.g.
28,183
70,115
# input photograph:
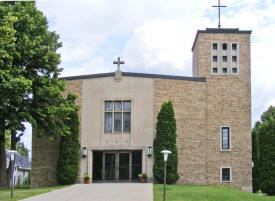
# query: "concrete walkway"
99,192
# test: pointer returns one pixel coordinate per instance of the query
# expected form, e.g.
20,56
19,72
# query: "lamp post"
165,155
12,153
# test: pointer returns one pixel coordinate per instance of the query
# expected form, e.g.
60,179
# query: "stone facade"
202,104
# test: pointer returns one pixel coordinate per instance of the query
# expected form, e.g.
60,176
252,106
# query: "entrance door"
110,166
124,166
117,165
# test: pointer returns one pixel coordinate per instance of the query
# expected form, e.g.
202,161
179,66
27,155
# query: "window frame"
221,138
230,174
113,111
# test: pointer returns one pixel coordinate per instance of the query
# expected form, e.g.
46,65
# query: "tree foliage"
264,174
67,165
30,90
22,149
255,158
166,139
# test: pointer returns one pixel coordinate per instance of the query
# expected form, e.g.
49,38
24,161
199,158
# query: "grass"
19,194
206,193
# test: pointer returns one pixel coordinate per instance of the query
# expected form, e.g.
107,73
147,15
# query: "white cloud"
156,36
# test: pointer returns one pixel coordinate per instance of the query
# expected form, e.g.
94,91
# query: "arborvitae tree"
264,152
255,158
267,156
67,165
166,139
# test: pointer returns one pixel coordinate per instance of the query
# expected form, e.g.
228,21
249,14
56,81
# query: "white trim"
230,172
230,134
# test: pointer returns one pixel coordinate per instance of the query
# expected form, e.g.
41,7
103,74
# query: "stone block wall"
189,102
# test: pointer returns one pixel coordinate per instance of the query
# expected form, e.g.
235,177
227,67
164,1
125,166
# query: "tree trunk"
3,171
14,140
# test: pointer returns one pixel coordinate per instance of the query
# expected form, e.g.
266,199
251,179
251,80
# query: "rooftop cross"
219,7
118,62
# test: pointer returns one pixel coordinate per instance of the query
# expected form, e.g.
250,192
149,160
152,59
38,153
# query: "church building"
118,114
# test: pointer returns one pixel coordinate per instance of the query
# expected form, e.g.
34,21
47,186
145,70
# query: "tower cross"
118,62
219,8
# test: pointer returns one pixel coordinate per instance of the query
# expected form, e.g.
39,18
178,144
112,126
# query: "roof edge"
220,31
131,74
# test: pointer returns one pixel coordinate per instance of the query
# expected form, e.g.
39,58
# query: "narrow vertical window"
127,122
118,122
225,138
234,59
108,122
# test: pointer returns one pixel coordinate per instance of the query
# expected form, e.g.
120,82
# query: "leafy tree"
67,165
166,139
264,150
30,90
22,149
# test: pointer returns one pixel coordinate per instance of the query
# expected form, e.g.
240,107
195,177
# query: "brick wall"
189,102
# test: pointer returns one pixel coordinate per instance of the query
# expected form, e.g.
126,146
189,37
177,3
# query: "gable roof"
20,161
130,74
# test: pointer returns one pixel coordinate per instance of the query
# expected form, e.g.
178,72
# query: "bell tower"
221,52
222,56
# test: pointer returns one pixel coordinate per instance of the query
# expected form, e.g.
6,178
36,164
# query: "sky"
156,36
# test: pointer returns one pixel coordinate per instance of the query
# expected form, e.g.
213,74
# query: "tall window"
117,117
225,138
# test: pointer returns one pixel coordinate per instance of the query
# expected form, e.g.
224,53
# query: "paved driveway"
99,192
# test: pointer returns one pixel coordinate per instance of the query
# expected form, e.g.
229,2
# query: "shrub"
67,165
166,139
267,156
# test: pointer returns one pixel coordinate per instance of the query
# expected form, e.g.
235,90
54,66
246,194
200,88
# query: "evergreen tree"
255,158
166,139
67,165
264,150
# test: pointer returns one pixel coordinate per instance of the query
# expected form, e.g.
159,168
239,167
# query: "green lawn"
19,194
206,193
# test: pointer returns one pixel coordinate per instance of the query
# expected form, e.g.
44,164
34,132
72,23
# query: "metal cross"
219,7
118,62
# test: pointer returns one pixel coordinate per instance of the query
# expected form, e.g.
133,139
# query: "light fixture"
12,153
84,152
166,152
149,151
